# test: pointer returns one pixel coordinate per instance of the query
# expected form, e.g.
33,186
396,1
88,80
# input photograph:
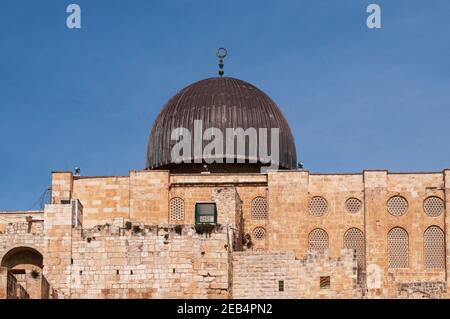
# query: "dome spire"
221,54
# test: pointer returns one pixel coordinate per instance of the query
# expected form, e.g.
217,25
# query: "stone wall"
280,275
148,262
422,290
62,187
58,246
144,197
10,218
12,241
103,198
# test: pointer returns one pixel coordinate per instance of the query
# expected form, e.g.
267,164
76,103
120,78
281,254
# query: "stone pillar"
3,283
149,197
375,229
228,206
62,186
229,212
447,222
287,200
58,249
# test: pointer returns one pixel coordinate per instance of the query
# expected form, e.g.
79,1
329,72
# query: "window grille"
398,248
259,208
433,206
259,233
397,206
177,209
354,239
318,206
353,205
434,248
318,240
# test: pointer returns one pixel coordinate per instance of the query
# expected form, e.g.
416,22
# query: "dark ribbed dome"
221,103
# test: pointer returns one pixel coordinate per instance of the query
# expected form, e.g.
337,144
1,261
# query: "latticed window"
353,205
397,206
318,206
176,209
259,208
318,240
433,206
354,239
434,248
259,233
398,248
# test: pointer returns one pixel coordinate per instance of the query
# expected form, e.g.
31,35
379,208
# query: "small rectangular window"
205,213
325,282
281,285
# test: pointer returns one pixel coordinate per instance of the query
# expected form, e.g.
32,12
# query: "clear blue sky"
355,98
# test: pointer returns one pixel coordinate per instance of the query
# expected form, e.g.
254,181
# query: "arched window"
259,233
434,248
259,208
176,209
318,240
354,239
398,248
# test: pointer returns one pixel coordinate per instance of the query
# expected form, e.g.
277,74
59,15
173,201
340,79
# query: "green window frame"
199,213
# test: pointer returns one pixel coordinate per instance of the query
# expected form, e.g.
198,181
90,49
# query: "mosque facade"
204,219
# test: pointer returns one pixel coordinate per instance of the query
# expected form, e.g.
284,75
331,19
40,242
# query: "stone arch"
22,257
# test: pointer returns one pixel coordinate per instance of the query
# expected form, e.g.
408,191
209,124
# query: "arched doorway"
26,264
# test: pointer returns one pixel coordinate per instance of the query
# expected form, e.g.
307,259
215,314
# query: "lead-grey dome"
221,103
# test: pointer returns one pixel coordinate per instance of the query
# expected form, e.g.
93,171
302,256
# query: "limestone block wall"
144,198
380,186
194,188
290,220
257,275
143,195
58,246
229,207
280,275
103,198
10,241
149,196
8,218
62,187
156,262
